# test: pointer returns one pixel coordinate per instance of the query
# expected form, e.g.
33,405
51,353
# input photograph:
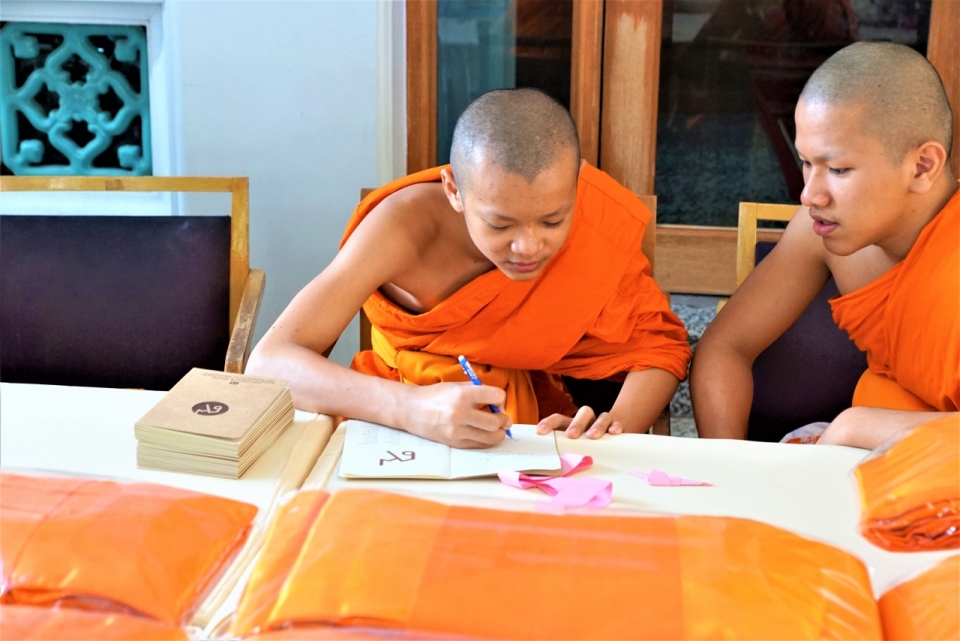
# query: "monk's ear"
927,162
451,189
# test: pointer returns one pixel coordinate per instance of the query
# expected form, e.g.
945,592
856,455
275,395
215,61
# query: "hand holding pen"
468,370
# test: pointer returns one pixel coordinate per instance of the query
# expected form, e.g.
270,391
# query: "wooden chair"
125,301
809,373
606,390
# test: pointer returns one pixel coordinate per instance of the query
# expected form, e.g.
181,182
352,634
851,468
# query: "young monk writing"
881,213
520,257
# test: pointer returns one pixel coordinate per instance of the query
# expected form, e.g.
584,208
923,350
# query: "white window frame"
166,106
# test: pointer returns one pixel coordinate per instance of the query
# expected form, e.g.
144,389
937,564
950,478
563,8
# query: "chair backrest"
809,373
750,213
119,301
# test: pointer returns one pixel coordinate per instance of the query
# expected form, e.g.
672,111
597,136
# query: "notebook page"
376,451
527,451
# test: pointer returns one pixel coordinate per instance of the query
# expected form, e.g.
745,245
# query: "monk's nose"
526,245
814,194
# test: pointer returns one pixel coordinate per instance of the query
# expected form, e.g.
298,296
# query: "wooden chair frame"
750,213
246,285
747,235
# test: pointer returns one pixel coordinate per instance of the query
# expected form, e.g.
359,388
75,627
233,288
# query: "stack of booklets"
214,423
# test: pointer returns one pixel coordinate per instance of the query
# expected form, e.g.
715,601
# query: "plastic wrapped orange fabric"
926,607
280,550
24,506
377,560
103,545
910,493
19,622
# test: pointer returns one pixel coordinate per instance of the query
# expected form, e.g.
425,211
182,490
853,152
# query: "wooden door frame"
624,37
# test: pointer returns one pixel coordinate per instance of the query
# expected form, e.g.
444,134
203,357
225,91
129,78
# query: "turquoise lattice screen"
74,99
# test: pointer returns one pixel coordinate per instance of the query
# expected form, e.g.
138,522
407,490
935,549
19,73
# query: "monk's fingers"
484,395
581,421
553,422
484,419
473,438
602,425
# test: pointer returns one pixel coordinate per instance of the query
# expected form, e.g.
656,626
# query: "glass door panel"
498,44
730,75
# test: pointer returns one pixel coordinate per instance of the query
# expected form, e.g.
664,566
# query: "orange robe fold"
908,323
594,312
910,494
418,569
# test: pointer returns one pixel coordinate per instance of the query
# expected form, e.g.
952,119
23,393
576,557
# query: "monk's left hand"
585,420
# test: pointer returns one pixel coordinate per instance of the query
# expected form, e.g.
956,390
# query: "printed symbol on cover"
411,456
210,408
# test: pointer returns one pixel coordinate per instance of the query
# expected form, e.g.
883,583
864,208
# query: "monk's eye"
839,171
805,163
495,228
556,224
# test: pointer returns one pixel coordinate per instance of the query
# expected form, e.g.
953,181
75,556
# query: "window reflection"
497,44
731,72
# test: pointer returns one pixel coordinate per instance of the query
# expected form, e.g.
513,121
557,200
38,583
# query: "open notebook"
375,451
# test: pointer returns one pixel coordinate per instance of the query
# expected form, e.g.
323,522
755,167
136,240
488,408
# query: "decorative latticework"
75,99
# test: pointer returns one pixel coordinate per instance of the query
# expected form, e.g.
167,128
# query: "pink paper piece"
564,491
660,478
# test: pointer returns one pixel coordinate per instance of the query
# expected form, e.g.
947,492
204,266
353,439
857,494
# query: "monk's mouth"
823,228
525,268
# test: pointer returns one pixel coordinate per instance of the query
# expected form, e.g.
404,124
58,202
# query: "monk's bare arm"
762,308
870,427
312,322
292,348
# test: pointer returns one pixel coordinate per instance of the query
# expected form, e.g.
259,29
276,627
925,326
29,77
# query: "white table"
807,489
89,431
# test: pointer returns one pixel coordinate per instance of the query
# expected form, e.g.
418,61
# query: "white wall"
284,92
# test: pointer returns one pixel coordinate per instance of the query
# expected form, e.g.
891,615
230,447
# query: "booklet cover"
217,404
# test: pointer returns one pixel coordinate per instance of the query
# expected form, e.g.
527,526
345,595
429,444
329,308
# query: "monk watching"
881,213
520,257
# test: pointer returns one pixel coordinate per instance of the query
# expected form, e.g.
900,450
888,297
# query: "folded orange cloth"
582,317
19,622
103,545
925,607
910,493
908,323
376,560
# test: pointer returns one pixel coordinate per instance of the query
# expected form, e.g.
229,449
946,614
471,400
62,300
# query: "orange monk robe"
593,313
908,323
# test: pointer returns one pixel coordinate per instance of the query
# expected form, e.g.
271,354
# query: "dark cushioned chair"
808,374
125,301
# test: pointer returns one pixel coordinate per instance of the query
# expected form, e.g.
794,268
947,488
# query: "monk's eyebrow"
503,218
824,158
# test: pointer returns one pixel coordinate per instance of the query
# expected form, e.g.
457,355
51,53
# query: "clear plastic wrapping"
133,548
925,607
910,490
22,623
379,565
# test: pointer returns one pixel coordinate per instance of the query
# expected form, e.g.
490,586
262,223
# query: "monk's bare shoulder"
850,272
409,219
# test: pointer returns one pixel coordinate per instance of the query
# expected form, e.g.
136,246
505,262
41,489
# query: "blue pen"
465,364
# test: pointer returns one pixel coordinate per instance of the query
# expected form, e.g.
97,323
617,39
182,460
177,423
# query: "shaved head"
903,98
522,131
